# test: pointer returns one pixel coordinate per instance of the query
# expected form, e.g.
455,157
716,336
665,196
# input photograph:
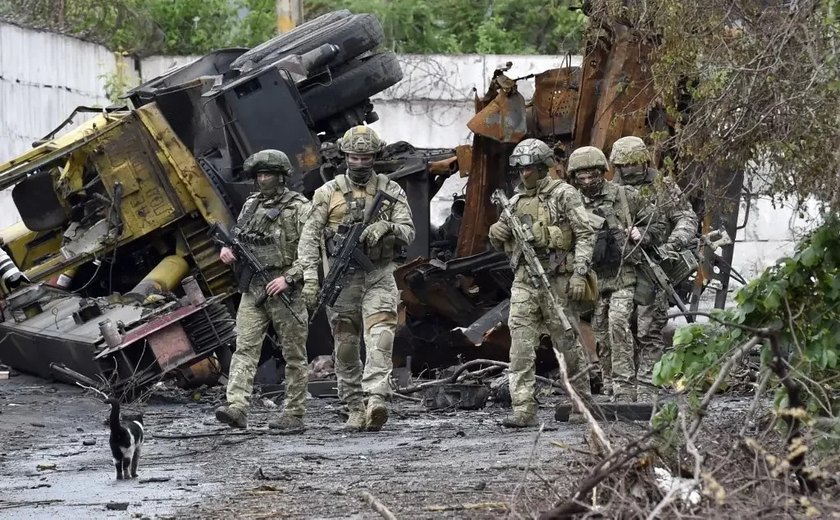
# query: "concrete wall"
44,76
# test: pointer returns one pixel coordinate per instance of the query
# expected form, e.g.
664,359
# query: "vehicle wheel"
353,86
262,50
353,35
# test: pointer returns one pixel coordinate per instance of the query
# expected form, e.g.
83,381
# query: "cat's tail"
114,421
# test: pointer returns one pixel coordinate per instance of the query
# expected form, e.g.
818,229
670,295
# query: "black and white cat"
126,440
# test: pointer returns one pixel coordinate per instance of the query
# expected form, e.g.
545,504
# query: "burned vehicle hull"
115,212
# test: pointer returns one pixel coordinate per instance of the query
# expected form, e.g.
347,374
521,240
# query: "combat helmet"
268,161
361,140
587,158
629,150
532,151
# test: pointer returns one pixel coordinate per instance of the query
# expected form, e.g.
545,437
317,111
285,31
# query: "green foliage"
467,26
198,26
799,297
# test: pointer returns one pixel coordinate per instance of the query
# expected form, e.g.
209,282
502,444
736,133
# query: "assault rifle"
249,267
348,251
523,235
654,272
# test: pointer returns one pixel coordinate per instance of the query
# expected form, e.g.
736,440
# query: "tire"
353,86
353,35
267,47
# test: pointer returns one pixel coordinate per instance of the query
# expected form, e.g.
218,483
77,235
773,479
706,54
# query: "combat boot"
356,422
231,416
287,425
520,420
623,393
377,413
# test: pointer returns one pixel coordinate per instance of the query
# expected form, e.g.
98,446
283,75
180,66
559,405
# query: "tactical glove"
665,251
577,287
374,232
500,232
309,293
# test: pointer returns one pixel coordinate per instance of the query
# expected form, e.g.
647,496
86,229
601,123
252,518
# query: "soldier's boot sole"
232,417
377,416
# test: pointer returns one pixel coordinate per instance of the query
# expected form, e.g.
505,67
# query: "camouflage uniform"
368,302
270,226
556,214
681,226
609,206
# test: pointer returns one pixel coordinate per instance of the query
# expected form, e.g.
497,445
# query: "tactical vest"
347,207
611,238
269,228
540,208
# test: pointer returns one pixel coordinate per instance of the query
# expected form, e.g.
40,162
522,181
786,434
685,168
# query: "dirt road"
444,465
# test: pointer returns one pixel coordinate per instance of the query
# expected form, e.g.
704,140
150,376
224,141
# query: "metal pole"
289,14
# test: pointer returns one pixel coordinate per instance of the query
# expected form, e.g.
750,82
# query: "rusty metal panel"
502,118
171,346
555,102
464,154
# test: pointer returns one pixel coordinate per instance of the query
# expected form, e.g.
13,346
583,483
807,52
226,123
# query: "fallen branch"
479,373
528,466
208,434
582,408
13,505
466,507
378,506
92,389
721,377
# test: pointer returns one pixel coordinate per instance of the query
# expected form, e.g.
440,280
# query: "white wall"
44,76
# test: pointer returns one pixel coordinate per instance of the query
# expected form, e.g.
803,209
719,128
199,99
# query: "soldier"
270,225
631,167
563,241
623,221
368,302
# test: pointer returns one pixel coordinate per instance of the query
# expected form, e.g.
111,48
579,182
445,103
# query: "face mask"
269,184
531,176
632,175
589,183
359,168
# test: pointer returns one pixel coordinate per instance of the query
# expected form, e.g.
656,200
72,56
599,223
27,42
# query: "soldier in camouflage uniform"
623,220
563,240
368,303
631,166
270,225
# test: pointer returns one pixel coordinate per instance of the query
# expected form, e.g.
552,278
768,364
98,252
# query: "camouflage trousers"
611,325
367,305
530,313
251,325
650,320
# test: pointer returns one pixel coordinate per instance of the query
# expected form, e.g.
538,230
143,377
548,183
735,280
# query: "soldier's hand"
577,287
374,232
310,294
226,256
276,286
500,231
541,235
665,251
635,234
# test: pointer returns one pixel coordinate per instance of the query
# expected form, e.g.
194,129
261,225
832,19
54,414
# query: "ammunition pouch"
680,267
606,255
646,289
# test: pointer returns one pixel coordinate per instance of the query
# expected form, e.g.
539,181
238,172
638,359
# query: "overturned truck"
125,285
